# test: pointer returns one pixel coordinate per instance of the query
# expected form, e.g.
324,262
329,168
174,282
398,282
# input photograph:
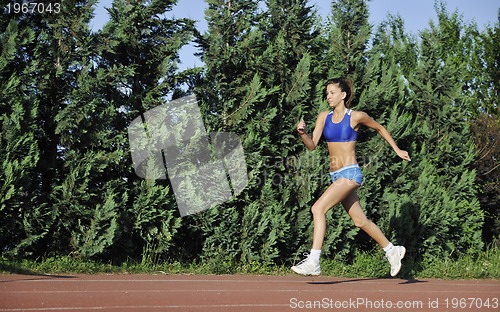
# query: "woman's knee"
318,210
361,222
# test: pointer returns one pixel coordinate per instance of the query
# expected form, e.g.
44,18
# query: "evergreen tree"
49,63
228,51
486,129
489,93
257,73
438,200
391,59
69,96
410,200
18,145
288,66
137,71
348,35
231,92
294,51
484,95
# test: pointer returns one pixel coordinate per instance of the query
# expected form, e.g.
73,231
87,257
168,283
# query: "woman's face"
334,95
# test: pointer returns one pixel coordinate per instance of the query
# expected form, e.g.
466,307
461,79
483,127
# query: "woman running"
340,129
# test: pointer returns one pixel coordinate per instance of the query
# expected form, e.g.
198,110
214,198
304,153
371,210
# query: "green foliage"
19,150
153,220
73,167
486,129
67,185
348,36
430,204
92,239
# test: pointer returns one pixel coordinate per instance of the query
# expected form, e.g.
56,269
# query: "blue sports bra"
339,132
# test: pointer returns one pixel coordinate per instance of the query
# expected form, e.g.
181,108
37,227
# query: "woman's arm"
311,142
366,120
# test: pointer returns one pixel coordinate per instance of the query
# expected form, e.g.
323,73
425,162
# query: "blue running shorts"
350,172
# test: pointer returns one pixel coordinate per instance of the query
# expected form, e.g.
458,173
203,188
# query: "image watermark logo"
170,142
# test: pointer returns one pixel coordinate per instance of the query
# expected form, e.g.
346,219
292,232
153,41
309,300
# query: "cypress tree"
348,34
69,96
18,145
486,129
391,58
484,94
289,65
489,92
258,73
228,53
137,71
231,93
49,64
439,202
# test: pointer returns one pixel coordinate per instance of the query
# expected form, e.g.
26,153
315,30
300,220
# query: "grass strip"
485,265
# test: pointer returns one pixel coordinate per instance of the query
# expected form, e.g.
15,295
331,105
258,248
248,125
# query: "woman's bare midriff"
341,154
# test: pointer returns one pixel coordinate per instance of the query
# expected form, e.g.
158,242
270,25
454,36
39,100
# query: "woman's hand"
301,127
403,154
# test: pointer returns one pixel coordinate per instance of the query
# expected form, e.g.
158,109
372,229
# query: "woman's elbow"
381,130
312,146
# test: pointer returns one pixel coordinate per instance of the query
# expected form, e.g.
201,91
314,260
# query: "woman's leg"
336,192
393,253
353,208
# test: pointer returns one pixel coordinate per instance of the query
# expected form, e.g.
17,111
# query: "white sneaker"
307,266
394,256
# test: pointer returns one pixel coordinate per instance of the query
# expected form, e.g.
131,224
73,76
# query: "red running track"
242,293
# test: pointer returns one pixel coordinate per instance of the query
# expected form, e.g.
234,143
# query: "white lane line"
218,306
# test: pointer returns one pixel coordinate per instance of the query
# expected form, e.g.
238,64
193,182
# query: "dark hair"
345,85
